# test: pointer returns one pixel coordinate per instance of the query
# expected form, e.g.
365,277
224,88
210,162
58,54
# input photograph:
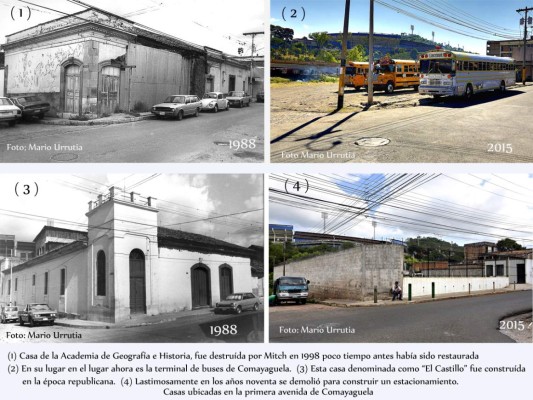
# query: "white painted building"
126,264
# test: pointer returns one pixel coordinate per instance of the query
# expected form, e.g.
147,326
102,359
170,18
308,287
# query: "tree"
357,53
508,244
321,39
280,36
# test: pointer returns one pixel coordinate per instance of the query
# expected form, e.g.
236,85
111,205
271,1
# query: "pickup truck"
239,99
37,313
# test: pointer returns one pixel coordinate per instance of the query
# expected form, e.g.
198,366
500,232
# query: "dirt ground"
310,97
520,335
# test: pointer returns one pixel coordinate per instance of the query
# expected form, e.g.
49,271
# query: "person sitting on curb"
396,291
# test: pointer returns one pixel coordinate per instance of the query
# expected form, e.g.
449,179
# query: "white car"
9,112
215,101
177,106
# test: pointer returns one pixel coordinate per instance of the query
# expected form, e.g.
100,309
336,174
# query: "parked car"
37,313
9,313
291,288
31,106
9,112
214,101
237,302
260,98
239,99
177,106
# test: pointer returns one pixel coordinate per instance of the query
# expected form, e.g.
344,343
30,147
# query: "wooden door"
201,289
226,281
137,283
72,89
109,90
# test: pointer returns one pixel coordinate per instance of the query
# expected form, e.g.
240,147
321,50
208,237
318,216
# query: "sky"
328,16
212,23
501,203
180,199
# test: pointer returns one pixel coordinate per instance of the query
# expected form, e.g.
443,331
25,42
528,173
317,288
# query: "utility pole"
324,217
340,98
525,42
252,34
370,76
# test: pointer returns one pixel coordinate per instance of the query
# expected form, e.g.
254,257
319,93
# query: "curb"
382,304
94,122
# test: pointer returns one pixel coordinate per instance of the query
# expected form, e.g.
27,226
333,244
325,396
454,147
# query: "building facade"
94,62
125,264
513,49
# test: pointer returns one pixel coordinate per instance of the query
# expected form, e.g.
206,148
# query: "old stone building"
95,62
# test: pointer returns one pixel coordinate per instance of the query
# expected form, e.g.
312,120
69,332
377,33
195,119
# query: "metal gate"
137,283
72,89
201,286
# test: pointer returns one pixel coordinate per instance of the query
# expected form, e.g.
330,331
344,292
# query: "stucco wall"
422,286
349,274
74,300
174,277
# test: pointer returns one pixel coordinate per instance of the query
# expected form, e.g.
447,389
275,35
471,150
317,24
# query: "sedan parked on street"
31,106
215,101
177,106
9,112
9,313
237,302
239,99
37,313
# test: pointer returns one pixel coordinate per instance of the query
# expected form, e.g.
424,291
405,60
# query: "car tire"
179,117
21,321
51,323
502,87
256,307
469,92
238,310
41,116
32,322
241,105
12,123
197,113
227,107
215,110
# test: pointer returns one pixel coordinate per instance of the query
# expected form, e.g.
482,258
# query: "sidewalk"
134,321
387,301
120,118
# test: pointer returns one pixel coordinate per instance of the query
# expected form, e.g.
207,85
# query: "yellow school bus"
390,74
359,72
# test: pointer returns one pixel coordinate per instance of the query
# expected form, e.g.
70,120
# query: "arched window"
100,274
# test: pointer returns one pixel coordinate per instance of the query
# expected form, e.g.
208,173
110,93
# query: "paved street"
470,319
490,128
192,329
202,139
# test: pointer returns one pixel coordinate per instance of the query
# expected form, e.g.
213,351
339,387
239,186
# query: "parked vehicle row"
32,313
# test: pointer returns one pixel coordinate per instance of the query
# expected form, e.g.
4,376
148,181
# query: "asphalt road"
490,128
248,327
463,320
202,139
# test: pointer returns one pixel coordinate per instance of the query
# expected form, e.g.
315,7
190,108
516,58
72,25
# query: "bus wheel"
389,88
469,92
502,87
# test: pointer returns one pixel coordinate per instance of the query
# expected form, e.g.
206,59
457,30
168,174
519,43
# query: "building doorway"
226,281
231,83
109,90
520,273
137,283
72,89
201,286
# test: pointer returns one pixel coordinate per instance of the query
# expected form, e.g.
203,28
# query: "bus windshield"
441,66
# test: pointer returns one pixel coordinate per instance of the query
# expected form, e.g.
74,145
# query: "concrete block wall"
349,274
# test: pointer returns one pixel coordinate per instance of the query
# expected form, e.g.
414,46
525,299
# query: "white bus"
452,73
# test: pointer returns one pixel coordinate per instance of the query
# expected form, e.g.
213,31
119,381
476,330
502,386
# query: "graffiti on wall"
39,71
